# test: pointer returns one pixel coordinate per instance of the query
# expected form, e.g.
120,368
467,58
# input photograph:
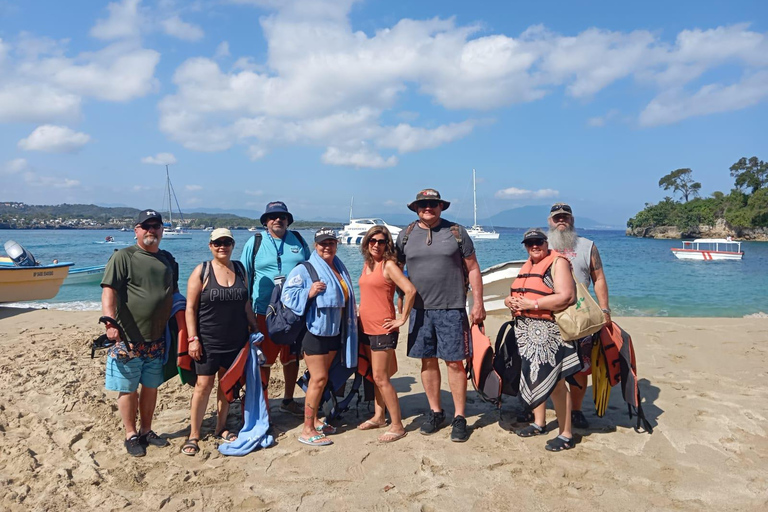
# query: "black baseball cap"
145,215
534,234
324,234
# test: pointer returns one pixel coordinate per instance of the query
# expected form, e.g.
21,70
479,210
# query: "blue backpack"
285,326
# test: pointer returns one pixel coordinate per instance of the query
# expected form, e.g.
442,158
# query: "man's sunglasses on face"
151,225
429,204
277,216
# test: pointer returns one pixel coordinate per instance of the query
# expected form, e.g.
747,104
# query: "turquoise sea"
644,278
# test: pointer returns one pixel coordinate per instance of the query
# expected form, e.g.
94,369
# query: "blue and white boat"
85,275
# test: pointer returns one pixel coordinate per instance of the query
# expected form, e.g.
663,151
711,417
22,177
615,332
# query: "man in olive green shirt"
137,292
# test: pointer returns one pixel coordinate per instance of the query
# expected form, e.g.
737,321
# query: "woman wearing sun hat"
218,316
331,321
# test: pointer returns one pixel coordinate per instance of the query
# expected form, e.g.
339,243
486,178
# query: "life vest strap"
530,290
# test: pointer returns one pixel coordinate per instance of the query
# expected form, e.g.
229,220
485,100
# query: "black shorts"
379,341
319,345
209,364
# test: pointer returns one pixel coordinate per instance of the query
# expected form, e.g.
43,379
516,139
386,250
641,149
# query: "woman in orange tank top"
379,327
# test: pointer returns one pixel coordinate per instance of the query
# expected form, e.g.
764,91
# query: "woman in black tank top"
218,316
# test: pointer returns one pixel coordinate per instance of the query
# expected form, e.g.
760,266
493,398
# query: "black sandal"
532,430
559,444
231,436
191,447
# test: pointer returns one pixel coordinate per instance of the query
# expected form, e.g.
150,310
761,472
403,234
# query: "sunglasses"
154,225
428,204
532,243
377,241
277,216
559,206
225,242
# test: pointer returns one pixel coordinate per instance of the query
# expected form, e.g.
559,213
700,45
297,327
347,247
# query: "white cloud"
14,166
255,193
124,21
160,159
599,121
360,158
676,105
54,139
37,103
326,85
519,193
193,188
222,50
176,27
35,180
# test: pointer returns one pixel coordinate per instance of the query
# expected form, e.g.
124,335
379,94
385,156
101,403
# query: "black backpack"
506,359
285,326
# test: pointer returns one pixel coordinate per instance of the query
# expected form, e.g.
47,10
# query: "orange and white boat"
707,249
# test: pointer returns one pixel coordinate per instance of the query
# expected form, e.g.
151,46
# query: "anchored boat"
709,249
22,277
354,232
476,232
171,232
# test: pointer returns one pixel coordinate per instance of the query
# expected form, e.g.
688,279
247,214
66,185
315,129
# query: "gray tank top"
580,260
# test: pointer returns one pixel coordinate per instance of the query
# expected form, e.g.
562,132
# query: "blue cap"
275,207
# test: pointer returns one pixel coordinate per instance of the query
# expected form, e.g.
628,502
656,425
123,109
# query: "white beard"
562,240
150,240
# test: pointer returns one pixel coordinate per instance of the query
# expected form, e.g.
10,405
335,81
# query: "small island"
741,214
16,215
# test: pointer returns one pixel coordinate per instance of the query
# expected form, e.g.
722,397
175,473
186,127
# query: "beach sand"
703,382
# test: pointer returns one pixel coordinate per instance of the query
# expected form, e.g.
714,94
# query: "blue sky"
314,102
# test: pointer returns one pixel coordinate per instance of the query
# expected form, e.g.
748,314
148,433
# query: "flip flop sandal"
191,447
231,436
318,440
559,444
326,429
532,430
391,437
370,425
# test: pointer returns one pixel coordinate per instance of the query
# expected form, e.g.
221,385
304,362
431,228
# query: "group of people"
228,299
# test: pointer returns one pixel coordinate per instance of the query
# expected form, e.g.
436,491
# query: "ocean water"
644,278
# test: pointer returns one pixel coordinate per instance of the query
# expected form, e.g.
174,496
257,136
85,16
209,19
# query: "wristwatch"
607,311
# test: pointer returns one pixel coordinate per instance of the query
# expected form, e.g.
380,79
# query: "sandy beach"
703,382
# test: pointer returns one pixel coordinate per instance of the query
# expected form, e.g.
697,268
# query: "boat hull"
175,235
496,283
699,255
484,236
31,283
85,275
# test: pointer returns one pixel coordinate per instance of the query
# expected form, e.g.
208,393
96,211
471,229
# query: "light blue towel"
254,432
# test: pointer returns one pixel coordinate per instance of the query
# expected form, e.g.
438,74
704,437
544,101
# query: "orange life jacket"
529,283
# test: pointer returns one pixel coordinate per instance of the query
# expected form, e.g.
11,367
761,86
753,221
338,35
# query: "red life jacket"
529,283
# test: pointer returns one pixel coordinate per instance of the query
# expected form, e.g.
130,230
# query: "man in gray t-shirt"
440,260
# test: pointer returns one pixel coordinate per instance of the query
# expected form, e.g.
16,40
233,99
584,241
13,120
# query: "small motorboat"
354,232
707,249
109,239
22,277
85,275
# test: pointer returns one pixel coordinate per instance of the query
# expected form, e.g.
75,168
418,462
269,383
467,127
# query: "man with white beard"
137,296
587,266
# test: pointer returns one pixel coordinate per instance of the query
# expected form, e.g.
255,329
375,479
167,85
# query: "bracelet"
536,304
193,338
607,311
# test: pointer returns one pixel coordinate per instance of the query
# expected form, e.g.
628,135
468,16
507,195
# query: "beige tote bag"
583,317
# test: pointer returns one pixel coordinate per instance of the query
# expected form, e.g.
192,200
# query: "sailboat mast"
474,197
168,192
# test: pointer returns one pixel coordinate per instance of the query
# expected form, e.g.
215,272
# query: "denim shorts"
441,333
124,375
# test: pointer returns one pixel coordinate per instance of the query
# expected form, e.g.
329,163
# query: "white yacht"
171,232
708,249
354,232
476,232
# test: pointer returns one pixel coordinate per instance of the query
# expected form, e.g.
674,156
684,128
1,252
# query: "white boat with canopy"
476,232
354,232
708,249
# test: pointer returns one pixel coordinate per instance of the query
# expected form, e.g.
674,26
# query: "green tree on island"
681,180
752,173
745,207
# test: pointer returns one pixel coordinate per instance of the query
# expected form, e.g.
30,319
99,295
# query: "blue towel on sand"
254,432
